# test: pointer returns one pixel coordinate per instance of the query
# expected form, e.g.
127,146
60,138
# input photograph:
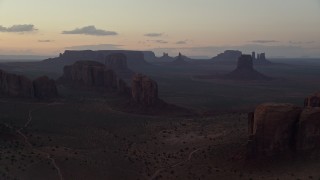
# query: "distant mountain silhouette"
180,60
231,57
227,57
245,70
134,58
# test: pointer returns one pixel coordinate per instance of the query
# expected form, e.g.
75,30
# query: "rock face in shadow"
118,63
45,88
227,57
278,129
69,57
144,90
12,85
89,74
245,70
123,88
308,134
145,100
273,129
312,100
179,61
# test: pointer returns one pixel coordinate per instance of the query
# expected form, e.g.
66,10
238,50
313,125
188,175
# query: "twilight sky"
286,28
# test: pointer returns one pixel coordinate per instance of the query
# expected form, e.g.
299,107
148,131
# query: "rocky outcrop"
134,58
308,134
273,128
12,85
89,74
149,56
227,57
245,70
118,63
123,88
179,61
260,59
276,129
312,100
245,63
144,90
45,88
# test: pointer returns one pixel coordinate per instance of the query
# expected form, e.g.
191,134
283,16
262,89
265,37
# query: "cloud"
91,30
161,41
18,28
264,41
45,41
302,42
96,47
181,42
153,34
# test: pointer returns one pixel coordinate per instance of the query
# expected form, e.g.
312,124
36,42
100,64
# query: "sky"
286,28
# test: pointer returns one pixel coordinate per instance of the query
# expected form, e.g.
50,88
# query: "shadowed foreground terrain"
88,139
88,135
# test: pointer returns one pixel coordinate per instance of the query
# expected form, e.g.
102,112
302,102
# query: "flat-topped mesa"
74,55
245,70
93,75
134,58
45,88
116,61
12,85
145,91
312,100
90,74
228,56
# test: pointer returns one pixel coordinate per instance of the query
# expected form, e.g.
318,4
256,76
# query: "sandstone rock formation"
118,63
144,90
134,58
312,100
179,61
283,128
12,85
273,128
245,70
308,133
227,57
89,74
93,75
45,88
123,88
